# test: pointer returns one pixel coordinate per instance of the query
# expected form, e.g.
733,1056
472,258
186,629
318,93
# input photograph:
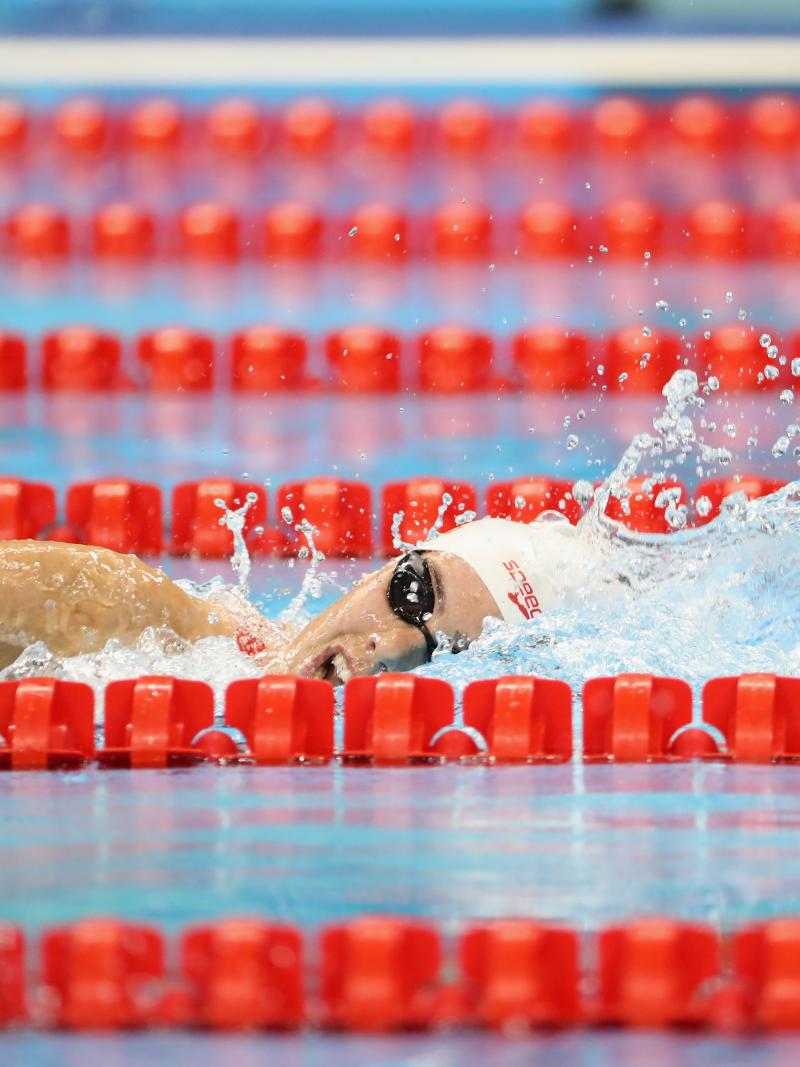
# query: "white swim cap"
527,567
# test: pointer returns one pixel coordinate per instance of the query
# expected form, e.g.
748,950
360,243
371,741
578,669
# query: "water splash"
234,519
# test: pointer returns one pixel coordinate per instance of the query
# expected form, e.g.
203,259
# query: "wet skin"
76,598
360,634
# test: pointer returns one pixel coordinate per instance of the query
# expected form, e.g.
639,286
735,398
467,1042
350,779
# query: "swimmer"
75,598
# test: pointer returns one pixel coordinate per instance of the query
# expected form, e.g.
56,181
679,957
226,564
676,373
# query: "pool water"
581,845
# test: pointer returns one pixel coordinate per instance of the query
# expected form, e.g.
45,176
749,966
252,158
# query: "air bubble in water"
623,377
352,231
741,314
729,297
646,331
572,441
286,515
662,305
601,369
771,373
580,414
706,313
707,334
703,506
796,367
786,396
772,352
583,492
765,340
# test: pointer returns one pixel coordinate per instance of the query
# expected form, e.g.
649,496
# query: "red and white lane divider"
157,722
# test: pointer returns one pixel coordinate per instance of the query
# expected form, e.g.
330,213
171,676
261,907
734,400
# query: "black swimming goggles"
412,597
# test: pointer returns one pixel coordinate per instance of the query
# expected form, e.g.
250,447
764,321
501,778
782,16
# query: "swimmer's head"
391,620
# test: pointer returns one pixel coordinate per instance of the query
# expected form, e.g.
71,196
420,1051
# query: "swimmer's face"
360,634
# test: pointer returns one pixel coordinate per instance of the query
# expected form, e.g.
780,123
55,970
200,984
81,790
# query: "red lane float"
45,724
268,359
783,230
380,974
641,363
620,124
657,972
520,973
548,229
13,999
377,232
283,719
123,231
26,508
641,505
522,720
631,229
394,718
736,357
209,231
197,527
117,514
244,974
525,498
37,231
80,358
339,512
766,959
551,359
364,360
774,123
717,229
292,231
700,124
102,974
13,362
464,127
462,231
154,722
545,127
236,128
177,360
389,126
633,718
14,127
758,715
309,126
453,359
82,127
155,126
716,490
420,500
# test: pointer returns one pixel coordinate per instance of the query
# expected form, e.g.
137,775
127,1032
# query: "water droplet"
572,441
623,377
771,373
706,313
707,334
352,231
580,414
713,383
729,297
787,396
772,352
491,266
567,421
741,314
662,305
647,255
780,446
765,340
681,322
603,249
646,331
587,185
729,429
796,367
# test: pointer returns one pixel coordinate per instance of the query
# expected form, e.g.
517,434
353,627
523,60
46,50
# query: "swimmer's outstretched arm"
75,598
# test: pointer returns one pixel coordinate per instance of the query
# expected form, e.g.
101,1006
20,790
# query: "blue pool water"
311,845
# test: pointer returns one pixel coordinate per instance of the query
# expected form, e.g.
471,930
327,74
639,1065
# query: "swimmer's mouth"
333,666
